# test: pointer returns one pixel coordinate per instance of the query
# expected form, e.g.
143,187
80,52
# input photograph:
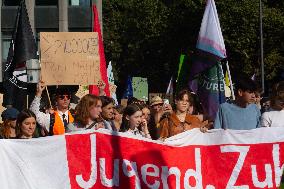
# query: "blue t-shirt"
231,116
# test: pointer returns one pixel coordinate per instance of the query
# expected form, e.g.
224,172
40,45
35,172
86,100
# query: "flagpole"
48,97
27,102
230,79
261,46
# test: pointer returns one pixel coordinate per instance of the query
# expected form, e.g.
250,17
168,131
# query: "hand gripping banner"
219,159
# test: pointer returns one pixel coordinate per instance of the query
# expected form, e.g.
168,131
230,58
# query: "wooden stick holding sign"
27,102
48,97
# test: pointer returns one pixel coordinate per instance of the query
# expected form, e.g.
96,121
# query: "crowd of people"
157,120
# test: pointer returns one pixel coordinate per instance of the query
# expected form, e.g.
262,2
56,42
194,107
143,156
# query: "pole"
1,71
30,4
261,47
99,6
27,106
231,82
63,15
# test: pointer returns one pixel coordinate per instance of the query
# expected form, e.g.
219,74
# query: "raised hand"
40,87
101,86
144,126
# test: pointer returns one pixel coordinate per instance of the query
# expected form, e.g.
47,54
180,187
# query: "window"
6,40
11,2
80,29
46,2
80,2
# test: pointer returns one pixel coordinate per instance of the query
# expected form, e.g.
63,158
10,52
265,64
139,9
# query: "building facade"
45,16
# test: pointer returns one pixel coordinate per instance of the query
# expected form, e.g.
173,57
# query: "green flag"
181,59
182,75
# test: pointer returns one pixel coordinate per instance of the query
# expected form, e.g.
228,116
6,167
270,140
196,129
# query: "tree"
146,37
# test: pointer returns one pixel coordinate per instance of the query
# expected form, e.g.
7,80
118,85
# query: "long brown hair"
82,109
5,128
277,96
21,118
128,111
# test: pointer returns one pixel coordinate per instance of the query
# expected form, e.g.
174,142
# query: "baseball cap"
9,114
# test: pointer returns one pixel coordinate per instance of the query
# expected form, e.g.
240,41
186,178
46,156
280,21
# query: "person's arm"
167,109
164,129
42,118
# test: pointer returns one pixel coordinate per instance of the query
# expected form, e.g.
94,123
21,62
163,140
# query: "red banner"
107,161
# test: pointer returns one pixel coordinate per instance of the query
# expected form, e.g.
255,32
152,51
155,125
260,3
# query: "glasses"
62,97
155,105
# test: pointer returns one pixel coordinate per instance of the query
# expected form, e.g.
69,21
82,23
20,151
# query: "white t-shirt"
137,133
273,119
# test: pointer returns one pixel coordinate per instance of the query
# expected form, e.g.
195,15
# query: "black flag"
22,48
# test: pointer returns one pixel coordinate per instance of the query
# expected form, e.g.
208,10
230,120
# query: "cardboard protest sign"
140,88
82,91
69,58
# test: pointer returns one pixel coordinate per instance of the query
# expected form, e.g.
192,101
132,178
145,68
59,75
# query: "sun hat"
156,100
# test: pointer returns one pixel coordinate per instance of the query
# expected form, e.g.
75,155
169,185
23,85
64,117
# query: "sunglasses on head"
62,97
160,104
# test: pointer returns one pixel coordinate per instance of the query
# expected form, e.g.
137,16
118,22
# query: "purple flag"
206,67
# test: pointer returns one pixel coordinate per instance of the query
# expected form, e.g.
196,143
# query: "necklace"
181,117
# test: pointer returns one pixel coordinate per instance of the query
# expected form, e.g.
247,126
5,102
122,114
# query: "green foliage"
146,37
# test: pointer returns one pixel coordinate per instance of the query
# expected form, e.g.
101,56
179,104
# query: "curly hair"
5,128
82,109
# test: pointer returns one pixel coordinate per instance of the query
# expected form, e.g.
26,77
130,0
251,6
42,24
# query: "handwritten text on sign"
69,58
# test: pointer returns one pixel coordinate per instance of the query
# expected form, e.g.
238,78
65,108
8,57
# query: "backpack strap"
91,126
52,121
